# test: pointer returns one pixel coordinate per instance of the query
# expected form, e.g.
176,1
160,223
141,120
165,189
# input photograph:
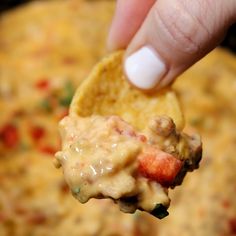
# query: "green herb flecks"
45,105
197,121
24,146
76,191
65,102
69,92
160,211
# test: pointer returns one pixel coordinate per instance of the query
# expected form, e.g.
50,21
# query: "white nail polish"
144,68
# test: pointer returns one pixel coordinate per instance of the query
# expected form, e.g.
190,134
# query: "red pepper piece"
42,84
159,166
37,133
9,135
48,150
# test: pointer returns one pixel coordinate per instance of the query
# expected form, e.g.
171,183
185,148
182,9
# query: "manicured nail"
144,68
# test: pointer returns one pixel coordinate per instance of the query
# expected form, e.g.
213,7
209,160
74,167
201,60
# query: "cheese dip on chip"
112,153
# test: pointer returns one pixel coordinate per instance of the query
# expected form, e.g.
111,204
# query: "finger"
127,20
174,35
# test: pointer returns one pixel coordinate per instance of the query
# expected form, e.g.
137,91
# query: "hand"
165,37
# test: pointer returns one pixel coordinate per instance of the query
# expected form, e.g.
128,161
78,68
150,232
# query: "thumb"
174,35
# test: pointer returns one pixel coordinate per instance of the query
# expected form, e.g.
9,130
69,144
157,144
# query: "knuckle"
181,27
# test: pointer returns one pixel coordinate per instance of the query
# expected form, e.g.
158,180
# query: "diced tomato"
20,210
42,84
2,216
9,135
142,138
126,132
64,187
159,166
19,113
37,133
137,230
69,60
226,204
232,226
37,218
48,150
125,129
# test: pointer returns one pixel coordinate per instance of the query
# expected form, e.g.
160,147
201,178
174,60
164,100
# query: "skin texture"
180,31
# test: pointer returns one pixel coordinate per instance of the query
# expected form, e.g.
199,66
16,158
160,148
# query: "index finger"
128,18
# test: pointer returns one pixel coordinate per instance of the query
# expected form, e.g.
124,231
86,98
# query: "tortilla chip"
107,92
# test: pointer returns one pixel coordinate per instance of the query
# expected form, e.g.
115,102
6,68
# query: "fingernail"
144,68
